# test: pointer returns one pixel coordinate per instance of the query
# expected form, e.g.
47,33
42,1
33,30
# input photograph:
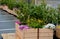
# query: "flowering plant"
36,16
49,26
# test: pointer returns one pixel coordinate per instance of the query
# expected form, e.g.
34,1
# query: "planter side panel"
58,31
45,34
32,33
26,34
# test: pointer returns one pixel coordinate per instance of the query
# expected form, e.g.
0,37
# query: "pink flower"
18,22
23,27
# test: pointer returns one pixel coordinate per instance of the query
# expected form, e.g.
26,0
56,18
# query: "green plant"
58,14
28,11
10,3
35,23
30,14
2,2
51,15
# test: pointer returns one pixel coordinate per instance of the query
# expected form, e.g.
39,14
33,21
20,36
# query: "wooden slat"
8,36
32,33
8,10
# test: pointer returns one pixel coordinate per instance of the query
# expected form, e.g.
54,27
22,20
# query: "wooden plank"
32,33
8,35
8,10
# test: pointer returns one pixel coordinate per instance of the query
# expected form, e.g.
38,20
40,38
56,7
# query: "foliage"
26,13
51,15
35,23
12,3
34,15
9,3
58,14
3,2
30,14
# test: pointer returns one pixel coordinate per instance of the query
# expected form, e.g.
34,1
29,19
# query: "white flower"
50,26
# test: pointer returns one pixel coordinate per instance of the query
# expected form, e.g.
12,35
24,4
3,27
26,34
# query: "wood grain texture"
58,31
8,10
32,33
9,36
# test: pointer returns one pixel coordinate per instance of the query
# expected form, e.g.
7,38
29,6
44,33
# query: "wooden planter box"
58,31
32,33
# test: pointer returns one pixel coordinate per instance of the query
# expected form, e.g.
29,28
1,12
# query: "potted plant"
33,18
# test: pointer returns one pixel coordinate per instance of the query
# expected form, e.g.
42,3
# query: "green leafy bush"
34,15
30,14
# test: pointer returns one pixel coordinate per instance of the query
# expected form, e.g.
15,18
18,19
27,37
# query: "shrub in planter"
34,17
